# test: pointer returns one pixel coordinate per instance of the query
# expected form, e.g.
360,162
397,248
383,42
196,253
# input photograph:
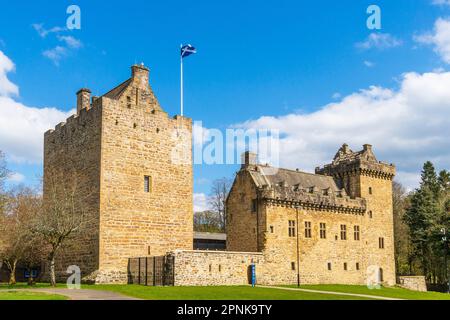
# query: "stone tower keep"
136,166
334,226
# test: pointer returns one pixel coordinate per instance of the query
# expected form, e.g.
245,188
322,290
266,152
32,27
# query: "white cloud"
16,177
22,127
55,54
60,51
6,87
200,202
379,41
439,38
336,95
406,126
369,64
71,42
441,2
39,27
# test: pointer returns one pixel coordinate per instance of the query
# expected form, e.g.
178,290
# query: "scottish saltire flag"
187,50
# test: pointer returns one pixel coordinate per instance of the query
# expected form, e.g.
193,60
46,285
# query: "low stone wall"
213,268
416,283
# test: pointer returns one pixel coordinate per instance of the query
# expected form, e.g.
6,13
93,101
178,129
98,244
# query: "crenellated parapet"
314,199
348,163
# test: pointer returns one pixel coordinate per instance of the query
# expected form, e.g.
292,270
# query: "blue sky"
256,60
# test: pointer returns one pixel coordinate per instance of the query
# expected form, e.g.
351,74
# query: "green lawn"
228,293
391,292
27,295
214,293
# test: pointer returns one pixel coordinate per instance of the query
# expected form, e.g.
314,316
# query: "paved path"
82,294
333,293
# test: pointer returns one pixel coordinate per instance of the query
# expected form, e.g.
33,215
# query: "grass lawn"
227,293
214,293
27,295
22,285
391,292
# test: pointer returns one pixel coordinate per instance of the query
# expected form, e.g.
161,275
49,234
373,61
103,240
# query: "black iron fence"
151,271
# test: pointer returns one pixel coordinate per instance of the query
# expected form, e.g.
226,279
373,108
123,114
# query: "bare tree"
16,236
219,193
4,172
63,215
207,221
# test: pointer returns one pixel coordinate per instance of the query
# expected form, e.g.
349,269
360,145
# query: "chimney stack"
83,99
367,147
249,159
140,74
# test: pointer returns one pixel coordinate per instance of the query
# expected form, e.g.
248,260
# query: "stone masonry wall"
242,236
209,268
72,150
413,283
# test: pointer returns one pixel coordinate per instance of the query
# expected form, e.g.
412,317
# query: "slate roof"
117,91
273,177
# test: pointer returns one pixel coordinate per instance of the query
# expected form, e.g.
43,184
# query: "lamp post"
445,241
298,248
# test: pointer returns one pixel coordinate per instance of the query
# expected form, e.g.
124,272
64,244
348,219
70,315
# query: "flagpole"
181,82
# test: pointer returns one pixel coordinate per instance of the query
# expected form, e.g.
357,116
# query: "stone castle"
122,145
328,227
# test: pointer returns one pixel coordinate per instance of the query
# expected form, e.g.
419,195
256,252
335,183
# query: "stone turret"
83,99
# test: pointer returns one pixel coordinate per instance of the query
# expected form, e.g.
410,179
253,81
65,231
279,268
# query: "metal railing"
151,271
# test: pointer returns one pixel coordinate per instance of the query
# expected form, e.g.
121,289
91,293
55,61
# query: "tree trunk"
12,273
30,278
52,270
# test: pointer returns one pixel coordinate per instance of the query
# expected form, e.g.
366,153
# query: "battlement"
362,162
313,198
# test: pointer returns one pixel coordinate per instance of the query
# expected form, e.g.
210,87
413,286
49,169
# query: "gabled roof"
272,177
117,91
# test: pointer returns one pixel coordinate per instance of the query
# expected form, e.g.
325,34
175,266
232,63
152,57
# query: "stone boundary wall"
416,283
214,268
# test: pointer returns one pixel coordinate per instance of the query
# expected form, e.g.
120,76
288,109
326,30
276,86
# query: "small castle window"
329,266
381,243
271,229
345,266
308,229
357,266
356,233
254,205
343,232
220,268
370,214
370,190
293,265
210,268
291,228
148,184
323,231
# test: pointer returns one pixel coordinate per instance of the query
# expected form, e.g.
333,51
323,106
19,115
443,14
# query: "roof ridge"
126,82
297,171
